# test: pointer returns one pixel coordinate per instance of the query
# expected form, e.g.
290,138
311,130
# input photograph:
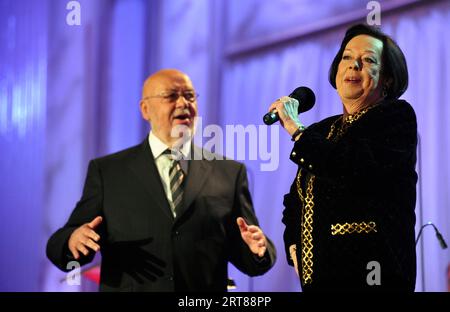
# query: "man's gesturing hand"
253,236
85,237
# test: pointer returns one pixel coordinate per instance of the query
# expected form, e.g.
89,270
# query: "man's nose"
181,102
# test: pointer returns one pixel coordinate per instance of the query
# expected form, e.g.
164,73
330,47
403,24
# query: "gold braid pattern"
307,226
345,124
349,228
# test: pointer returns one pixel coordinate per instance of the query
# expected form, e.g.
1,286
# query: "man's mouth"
183,118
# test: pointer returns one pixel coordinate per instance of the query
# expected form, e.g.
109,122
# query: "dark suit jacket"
366,175
143,247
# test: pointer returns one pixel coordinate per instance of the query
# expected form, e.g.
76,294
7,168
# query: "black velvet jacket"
365,176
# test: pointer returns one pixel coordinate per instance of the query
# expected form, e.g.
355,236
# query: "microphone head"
441,240
305,96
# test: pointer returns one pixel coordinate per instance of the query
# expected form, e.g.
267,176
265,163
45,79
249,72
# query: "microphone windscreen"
305,96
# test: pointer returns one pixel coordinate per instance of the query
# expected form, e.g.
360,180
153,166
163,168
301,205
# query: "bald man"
163,220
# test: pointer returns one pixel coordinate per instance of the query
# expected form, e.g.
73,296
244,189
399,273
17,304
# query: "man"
163,224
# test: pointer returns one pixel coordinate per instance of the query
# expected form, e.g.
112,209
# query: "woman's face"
358,75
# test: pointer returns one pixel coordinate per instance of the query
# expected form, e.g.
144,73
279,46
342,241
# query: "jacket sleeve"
240,254
89,207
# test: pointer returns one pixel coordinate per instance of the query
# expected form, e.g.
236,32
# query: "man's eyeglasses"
172,97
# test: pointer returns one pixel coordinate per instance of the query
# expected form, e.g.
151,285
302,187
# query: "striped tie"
176,177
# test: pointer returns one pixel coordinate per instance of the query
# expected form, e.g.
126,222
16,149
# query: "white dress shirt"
164,163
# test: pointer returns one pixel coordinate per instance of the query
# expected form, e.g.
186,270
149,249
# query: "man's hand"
253,236
85,237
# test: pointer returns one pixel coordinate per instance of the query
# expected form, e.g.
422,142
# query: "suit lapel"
199,170
144,168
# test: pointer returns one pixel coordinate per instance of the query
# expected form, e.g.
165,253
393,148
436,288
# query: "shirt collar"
158,147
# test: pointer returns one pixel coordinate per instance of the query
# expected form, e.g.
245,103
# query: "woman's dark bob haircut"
394,72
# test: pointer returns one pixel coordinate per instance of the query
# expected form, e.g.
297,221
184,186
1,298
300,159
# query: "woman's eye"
369,60
346,57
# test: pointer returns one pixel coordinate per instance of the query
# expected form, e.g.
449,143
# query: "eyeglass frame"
166,96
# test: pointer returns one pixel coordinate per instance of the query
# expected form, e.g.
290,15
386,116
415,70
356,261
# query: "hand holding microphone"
286,109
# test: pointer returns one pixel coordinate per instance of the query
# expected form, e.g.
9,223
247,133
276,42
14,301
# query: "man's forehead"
167,80
173,82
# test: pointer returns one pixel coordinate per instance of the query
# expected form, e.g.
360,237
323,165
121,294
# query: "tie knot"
173,154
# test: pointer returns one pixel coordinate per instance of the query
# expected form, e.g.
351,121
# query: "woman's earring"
384,93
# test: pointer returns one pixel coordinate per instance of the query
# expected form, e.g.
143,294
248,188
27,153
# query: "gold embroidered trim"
349,228
347,122
307,226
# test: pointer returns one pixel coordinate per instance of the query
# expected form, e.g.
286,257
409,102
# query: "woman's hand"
293,253
287,109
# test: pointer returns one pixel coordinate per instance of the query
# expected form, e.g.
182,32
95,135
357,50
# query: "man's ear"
145,110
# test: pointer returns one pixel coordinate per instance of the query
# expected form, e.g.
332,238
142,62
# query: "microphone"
441,239
304,95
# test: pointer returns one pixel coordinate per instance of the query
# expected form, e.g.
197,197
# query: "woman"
349,215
